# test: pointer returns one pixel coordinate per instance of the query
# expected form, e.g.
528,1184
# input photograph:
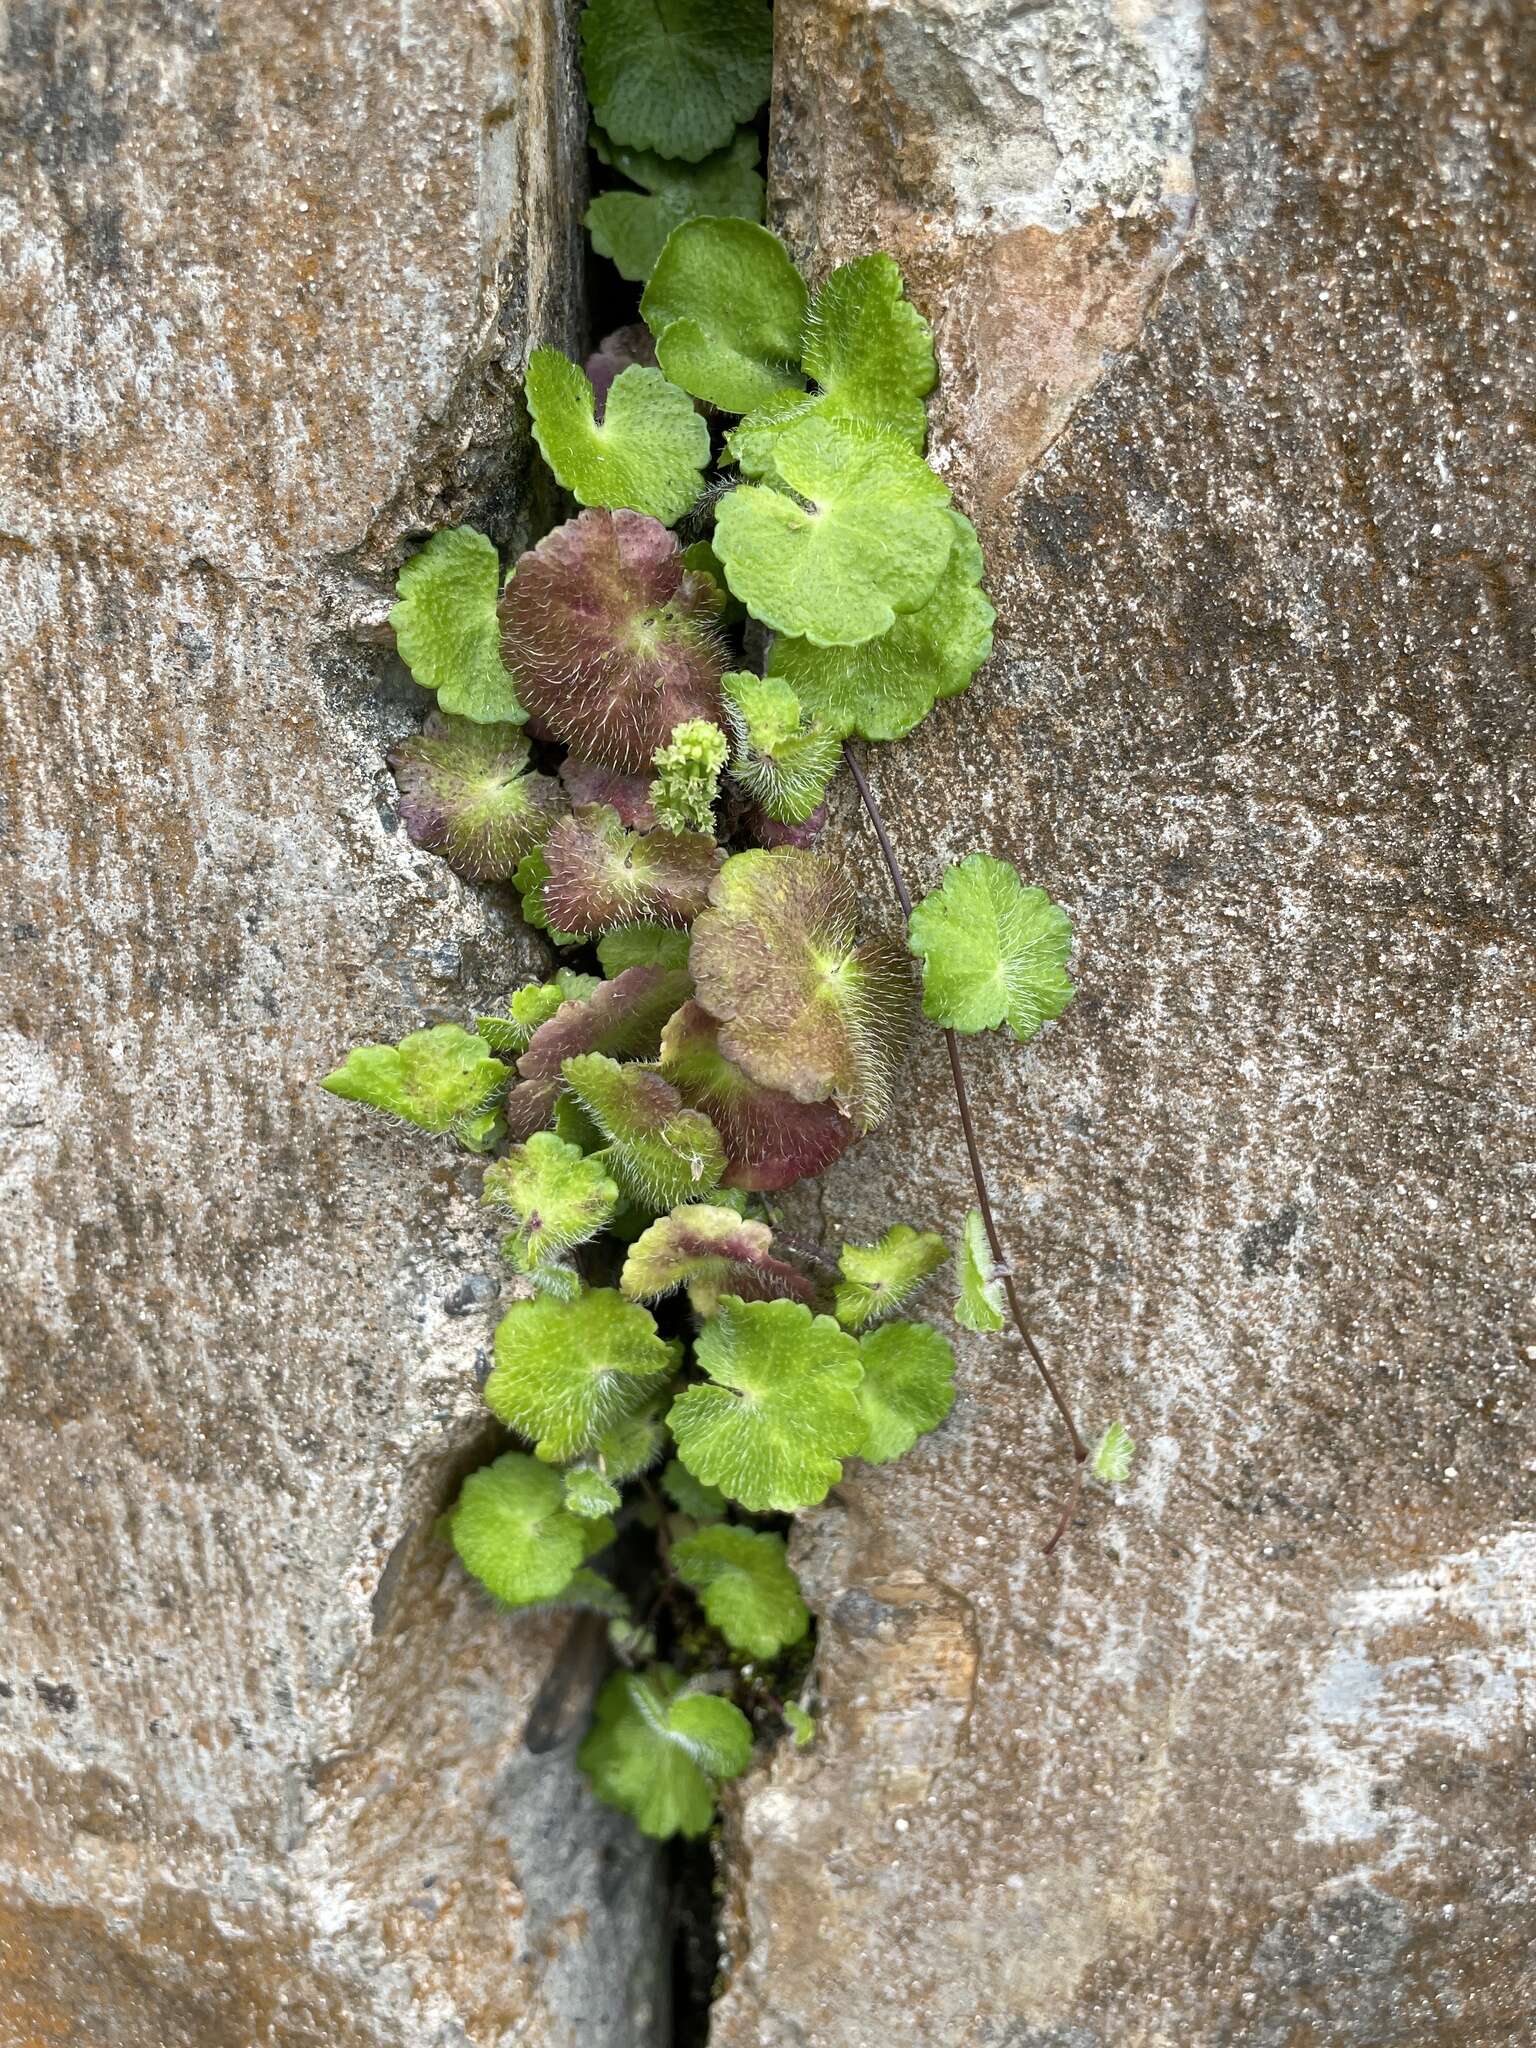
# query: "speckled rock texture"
1249,1762
270,272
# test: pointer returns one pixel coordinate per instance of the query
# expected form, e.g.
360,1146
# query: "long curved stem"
978,1171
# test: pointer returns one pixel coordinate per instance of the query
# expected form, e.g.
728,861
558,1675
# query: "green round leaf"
559,1198
433,1079
511,1530
992,950
644,457
446,628
747,1590
980,1303
726,304
657,1753
588,1494
676,77
860,532
879,1278
658,1151
884,688
781,1409
908,1387
567,1371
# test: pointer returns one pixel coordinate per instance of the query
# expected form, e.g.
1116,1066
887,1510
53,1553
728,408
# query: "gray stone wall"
270,272
1248,1762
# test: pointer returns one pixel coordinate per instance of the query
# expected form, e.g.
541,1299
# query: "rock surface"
270,276
1249,1760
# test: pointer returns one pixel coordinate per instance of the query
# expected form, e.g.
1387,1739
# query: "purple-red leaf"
630,795
601,876
466,793
611,639
623,1018
770,1139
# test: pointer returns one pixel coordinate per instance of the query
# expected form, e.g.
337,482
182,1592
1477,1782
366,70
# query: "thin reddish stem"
978,1171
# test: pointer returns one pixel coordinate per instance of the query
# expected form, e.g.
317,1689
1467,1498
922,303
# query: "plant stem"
973,1152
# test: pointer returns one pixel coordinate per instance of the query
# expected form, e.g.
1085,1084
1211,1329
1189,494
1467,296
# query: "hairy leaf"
1112,1455
622,1017
657,1753
700,1503
712,1251
588,1494
567,1371
445,626
688,777
613,639
527,1008
879,1278
658,1151
646,452
782,758
433,1079
883,688
560,1198
466,793
676,79
860,531
771,1140
600,875
981,1298
745,1585
632,227
511,1529
870,350
992,950
642,945
726,304
805,1006
631,1446
781,1409
908,1387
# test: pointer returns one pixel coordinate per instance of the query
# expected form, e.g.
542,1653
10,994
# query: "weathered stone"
1246,1761
271,272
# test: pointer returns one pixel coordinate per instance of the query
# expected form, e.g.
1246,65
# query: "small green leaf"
529,880
434,1079
559,1282
801,1725
980,1303
657,1753
781,1409
632,227
1112,1455
560,1198
712,1251
527,1008
908,1387
879,1278
631,1446
883,688
645,456
747,1590
588,1495
566,1372
446,628
659,1152
782,758
688,777
699,1502
511,1529
676,78
860,532
482,1132
642,945
992,950
726,304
